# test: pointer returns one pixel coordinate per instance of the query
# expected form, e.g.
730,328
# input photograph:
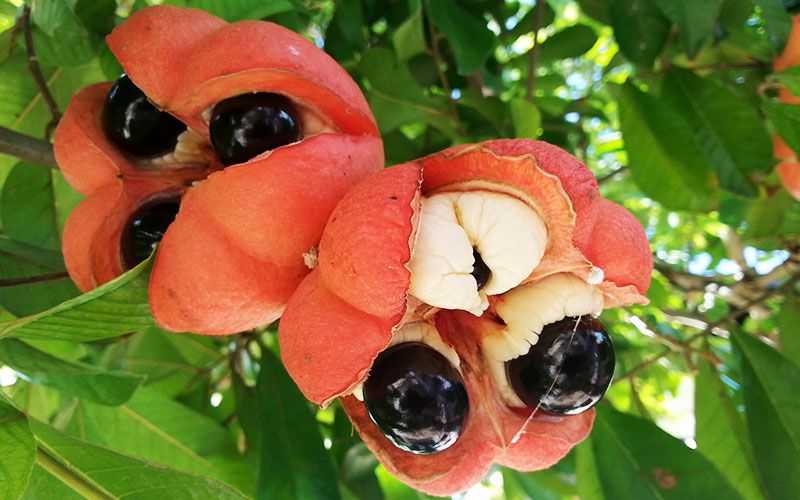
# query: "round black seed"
145,229
416,398
135,126
247,125
568,370
480,271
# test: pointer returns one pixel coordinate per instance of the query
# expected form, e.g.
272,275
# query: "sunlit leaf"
17,451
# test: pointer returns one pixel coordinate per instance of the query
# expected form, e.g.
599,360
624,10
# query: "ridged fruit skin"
344,313
788,166
235,251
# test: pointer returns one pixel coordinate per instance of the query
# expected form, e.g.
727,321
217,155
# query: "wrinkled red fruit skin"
235,252
356,297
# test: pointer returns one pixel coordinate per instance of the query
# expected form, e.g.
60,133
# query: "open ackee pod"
237,247
391,270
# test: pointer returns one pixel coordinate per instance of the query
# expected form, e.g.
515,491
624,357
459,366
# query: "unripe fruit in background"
466,258
247,130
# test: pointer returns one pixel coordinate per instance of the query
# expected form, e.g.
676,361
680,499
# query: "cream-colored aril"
526,310
509,235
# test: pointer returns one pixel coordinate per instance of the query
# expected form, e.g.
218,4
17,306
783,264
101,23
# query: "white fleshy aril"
526,311
422,332
509,235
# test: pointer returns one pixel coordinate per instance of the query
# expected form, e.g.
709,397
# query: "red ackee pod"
364,293
238,246
789,166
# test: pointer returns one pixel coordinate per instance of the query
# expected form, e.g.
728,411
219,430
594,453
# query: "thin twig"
534,52
644,364
611,175
27,148
36,72
32,279
438,62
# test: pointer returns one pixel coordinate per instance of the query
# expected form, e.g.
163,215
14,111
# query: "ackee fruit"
251,132
490,263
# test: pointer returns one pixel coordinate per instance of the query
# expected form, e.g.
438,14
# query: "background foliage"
670,102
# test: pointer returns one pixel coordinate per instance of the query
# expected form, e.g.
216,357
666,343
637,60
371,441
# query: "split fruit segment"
225,145
461,293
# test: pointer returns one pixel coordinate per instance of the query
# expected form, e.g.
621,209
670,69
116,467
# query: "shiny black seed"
416,398
568,370
247,125
480,271
135,126
145,228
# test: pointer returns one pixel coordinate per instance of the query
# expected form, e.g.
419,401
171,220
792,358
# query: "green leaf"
596,9
765,217
786,120
790,77
773,415
567,43
95,472
787,321
80,380
409,38
19,260
394,96
358,473
28,207
97,15
116,308
471,40
727,129
541,485
695,20
236,10
628,457
157,429
49,15
777,20
662,156
17,451
721,435
294,463
640,29
526,118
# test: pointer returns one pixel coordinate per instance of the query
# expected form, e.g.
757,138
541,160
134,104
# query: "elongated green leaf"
695,20
236,10
640,29
45,485
631,458
542,485
49,15
786,120
394,96
569,42
471,40
78,379
730,133
721,435
17,451
777,20
787,320
22,261
294,463
28,206
526,118
662,156
596,9
773,415
157,429
116,308
88,469
409,37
